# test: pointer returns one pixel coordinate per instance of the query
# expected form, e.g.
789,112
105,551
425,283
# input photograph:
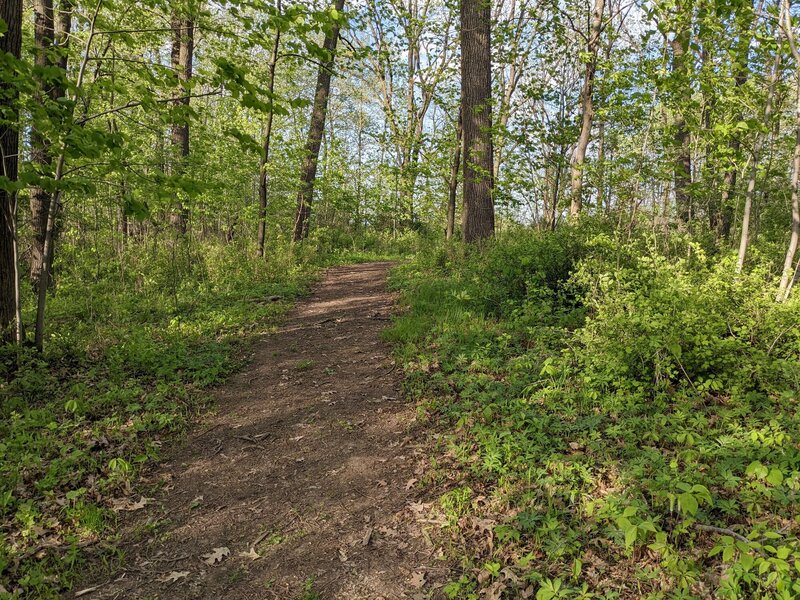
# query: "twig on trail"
260,539
394,366
251,440
218,447
89,590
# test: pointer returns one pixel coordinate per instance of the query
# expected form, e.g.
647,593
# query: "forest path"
306,463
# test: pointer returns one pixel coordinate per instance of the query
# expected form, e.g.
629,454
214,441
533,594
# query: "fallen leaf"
417,579
251,554
174,576
296,438
410,483
367,536
342,555
216,555
495,591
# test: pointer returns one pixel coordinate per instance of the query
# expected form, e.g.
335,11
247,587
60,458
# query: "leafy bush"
624,417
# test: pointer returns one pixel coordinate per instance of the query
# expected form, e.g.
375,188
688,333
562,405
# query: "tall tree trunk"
308,171
683,160
182,59
43,34
10,43
476,111
794,238
587,111
452,183
41,301
744,238
51,40
262,173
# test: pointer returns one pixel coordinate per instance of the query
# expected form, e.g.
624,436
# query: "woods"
595,210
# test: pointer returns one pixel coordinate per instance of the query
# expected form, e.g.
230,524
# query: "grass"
128,365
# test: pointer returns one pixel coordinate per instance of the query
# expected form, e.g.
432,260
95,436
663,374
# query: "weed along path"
301,484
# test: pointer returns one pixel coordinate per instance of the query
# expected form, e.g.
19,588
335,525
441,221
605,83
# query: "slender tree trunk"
182,59
43,34
10,43
308,172
51,40
41,302
587,111
758,144
476,111
794,239
452,183
262,173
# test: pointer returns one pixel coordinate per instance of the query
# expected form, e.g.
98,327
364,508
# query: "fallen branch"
722,531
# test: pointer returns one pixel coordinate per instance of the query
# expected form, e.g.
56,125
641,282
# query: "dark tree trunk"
476,111
262,173
182,56
308,171
452,183
10,43
683,158
51,39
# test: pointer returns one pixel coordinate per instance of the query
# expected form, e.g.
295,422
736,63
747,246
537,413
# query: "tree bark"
587,111
182,58
262,173
51,40
683,161
452,183
758,144
794,238
308,171
476,109
10,43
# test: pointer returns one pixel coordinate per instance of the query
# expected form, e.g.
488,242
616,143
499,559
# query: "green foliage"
625,417
137,340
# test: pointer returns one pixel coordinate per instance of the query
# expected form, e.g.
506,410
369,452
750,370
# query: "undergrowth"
613,419
135,341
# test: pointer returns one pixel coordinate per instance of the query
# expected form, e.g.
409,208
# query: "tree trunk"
262,173
587,111
683,160
476,111
10,43
51,40
794,238
182,58
308,171
452,183
744,238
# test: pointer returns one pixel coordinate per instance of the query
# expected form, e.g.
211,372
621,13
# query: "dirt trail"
307,463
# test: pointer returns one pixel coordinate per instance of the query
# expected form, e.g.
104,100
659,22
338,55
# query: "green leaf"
775,477
688,503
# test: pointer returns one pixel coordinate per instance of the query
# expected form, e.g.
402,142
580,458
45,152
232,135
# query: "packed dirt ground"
301,484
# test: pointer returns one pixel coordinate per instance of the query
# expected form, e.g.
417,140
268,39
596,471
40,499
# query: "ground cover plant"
127,371
613,420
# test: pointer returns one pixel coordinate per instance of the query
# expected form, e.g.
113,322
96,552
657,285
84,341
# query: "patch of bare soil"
301,486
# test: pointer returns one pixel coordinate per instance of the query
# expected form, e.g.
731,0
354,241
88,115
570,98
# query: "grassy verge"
135,345
612,420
